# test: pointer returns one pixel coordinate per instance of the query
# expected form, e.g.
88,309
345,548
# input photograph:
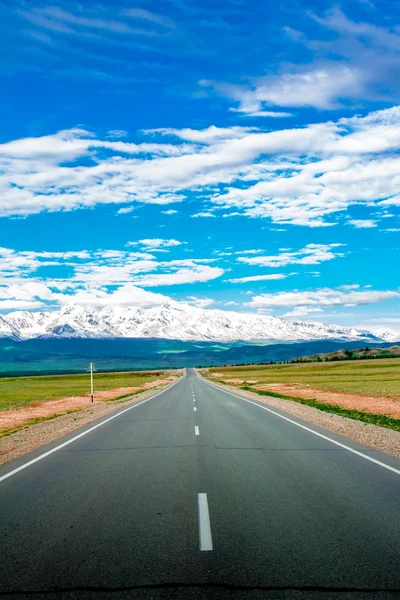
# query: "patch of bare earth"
379,438
381,405
233,381
15,417
25,440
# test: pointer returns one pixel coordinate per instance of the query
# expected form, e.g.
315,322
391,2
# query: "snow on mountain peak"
389,335
172,320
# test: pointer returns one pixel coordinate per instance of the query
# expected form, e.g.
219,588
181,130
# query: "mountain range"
174,321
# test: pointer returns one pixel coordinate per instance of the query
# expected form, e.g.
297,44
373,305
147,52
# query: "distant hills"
63,355
352,354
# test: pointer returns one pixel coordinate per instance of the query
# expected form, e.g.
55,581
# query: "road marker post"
91,369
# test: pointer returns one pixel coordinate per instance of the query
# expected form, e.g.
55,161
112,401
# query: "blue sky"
233,155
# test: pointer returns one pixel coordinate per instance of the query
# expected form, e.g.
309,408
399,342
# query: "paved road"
199,494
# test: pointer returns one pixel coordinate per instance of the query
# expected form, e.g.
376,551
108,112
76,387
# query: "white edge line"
204,524
325,437
196,430
33,461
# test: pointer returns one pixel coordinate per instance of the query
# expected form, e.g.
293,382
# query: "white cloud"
312,254
20,305
117,133
379,324
99,277
146,273
28,291
300,176
301,311
156,243
353,286
211,135
125,210
203,214
320,298
363,223
126,295
200,302
260,278
192,273
354,61
145,15
169,212
319,87
258,251
262,113
385,320
57,19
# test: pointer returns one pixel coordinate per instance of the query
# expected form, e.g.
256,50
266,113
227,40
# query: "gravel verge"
379,438
34,436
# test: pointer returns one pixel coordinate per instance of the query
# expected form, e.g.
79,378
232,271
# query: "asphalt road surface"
197,493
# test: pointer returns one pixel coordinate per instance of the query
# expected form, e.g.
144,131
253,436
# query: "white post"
91,381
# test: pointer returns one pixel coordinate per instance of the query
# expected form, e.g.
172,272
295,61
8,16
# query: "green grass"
373,418
22,391
376,378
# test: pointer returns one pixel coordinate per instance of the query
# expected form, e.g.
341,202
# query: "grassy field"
21,391
380,377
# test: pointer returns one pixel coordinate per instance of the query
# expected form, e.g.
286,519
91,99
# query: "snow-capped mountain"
172,321
389,335
7,329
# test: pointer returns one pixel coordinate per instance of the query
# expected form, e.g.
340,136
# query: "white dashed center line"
196,430
204,524
195,409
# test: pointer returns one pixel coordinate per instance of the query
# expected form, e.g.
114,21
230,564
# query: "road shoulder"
378,438
35,436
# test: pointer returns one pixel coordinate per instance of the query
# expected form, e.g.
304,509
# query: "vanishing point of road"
197,493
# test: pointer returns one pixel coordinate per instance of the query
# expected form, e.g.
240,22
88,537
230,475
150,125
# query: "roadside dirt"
15,417
26,440
381,405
